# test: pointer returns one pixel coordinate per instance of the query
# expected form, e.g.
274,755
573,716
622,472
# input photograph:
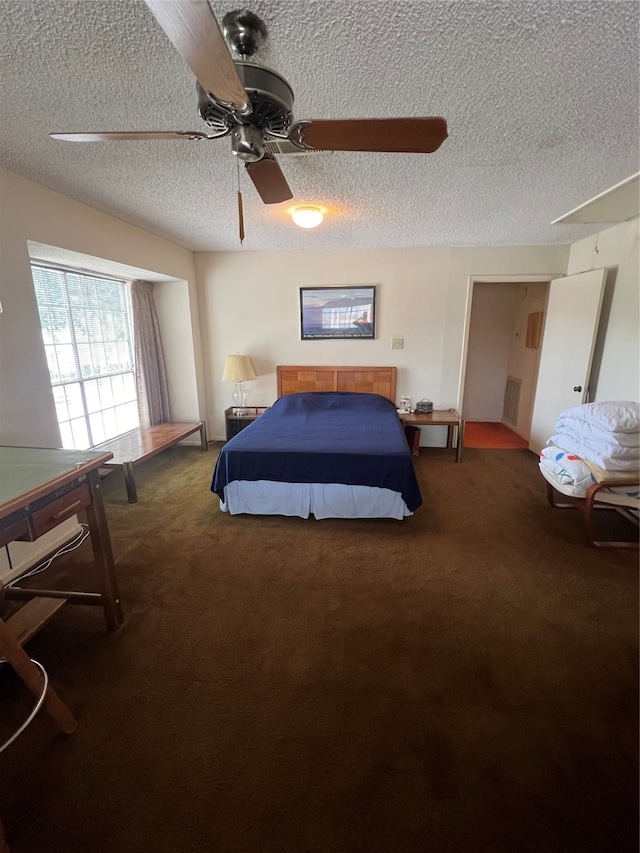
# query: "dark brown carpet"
460,682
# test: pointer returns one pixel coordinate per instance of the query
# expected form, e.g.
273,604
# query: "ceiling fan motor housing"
271,100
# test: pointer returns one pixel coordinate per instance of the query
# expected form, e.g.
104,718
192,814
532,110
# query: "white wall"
29,212
616,363
249,303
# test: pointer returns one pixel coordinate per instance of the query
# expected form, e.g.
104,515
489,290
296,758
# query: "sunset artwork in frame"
338,313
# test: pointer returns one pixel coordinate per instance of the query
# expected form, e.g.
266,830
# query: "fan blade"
269,180
193,30
402,135
125,135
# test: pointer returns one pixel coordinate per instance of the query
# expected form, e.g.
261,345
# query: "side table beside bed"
235,421
452,420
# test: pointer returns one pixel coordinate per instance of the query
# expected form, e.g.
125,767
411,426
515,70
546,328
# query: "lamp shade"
238,368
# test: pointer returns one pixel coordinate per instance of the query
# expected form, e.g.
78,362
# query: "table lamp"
238,368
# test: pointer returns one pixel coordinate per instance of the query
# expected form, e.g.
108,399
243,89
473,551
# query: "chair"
35,677
595,498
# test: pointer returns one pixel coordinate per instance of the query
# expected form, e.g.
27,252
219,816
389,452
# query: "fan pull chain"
240,212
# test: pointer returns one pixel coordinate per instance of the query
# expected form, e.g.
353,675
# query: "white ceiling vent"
283,146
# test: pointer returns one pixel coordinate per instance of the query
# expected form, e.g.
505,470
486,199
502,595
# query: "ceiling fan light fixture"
307,216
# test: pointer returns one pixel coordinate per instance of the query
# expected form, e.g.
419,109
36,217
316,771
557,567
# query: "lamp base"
239,398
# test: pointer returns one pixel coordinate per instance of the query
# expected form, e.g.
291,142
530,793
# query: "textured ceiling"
541,100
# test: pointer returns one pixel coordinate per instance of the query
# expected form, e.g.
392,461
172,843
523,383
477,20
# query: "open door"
573,314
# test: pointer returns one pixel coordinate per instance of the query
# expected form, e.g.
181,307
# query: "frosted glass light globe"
307,217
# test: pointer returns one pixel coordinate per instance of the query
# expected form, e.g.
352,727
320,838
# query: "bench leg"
130,482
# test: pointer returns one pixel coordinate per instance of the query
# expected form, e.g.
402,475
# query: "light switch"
397,343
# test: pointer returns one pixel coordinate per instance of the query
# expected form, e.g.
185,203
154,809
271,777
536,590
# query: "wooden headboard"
372,380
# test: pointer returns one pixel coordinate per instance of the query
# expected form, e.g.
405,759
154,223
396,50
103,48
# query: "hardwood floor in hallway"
492,435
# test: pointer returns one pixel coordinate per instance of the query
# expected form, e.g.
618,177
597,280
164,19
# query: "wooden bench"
134,447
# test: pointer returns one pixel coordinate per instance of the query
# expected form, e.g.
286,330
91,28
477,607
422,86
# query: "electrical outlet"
397,343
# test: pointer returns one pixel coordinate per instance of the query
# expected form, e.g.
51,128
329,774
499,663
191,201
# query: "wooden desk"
442,418
39,489
134,447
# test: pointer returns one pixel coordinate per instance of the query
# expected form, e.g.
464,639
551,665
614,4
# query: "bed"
331,446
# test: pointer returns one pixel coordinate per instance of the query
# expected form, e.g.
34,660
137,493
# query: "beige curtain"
151,378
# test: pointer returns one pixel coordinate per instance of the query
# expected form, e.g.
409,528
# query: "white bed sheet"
322,500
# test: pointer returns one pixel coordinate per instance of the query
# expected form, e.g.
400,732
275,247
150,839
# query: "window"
344,318
86,328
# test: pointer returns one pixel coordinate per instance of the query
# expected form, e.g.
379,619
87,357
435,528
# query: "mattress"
315,440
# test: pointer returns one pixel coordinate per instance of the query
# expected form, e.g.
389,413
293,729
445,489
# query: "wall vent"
511,401
283,146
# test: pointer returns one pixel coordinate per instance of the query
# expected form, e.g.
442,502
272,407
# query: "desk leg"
460,448
32,677
204,444
103,555
449,436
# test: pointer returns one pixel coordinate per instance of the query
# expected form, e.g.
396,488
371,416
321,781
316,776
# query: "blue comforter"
323,437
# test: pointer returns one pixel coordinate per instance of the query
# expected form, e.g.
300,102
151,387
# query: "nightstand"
451,420
235,423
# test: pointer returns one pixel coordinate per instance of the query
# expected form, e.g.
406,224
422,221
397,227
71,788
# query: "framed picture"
338,312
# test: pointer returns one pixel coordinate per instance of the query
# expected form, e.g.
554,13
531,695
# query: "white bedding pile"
607,434
595,443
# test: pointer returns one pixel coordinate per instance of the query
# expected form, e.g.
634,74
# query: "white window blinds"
86,330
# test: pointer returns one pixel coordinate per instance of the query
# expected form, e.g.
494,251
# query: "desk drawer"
49,516
16,530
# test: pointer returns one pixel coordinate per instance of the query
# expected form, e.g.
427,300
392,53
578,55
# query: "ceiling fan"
253,104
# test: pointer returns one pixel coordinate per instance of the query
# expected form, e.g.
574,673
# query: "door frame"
490,279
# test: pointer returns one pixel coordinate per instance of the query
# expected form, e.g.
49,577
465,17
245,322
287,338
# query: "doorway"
501,361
